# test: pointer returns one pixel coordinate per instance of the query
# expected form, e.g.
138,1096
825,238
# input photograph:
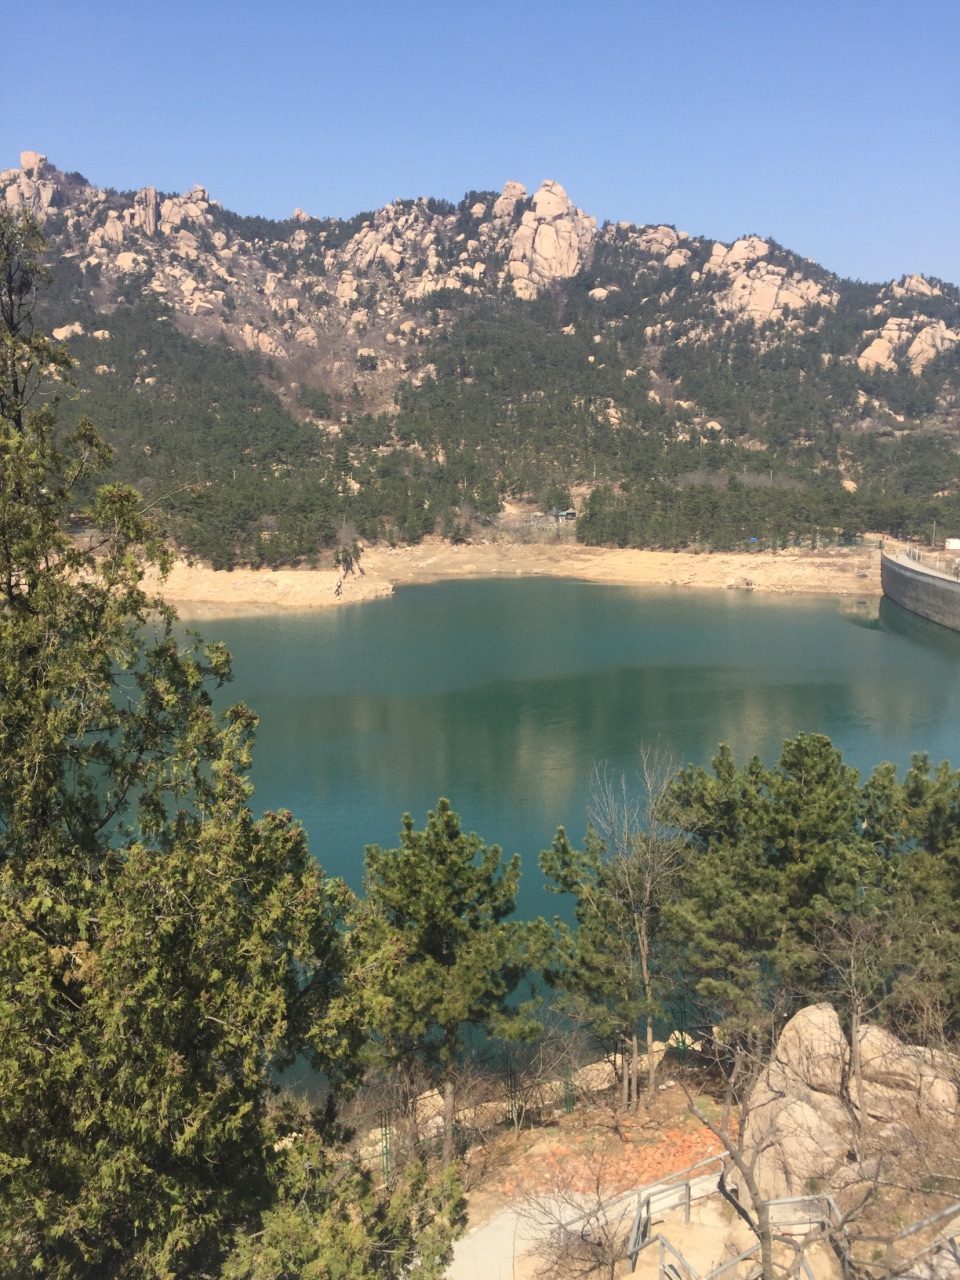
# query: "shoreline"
837,571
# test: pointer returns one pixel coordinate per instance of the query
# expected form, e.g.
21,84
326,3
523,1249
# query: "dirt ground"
586,1151
199,590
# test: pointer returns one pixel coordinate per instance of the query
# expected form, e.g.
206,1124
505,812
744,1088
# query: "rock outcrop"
506,203
759,289
915,286
913,340
797,1129
815,1122
767,292
928,342
146,211
306,291
32,186
553,241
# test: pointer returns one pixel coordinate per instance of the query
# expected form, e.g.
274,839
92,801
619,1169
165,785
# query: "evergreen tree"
728,916
595,967
435,918
161,950
329,1219
775,851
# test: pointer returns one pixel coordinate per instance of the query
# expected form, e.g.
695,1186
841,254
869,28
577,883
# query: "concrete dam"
931,593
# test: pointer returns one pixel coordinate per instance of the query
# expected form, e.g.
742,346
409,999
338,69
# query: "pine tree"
435,920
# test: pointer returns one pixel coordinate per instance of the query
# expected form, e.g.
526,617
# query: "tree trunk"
448,1115
761,1225
624,1077
856,1062
651,1063
635,1070
409,1104
648,997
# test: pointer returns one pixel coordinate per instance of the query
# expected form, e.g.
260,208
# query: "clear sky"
831,125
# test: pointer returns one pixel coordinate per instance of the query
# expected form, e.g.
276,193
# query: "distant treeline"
524,403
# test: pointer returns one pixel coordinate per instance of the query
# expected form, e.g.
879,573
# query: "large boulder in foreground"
797,1129
818,1120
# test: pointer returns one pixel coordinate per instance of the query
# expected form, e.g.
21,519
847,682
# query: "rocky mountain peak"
917,286
31,186
506,203
759,289
312,293
553,242
32,163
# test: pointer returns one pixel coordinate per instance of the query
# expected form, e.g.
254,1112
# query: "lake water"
503,695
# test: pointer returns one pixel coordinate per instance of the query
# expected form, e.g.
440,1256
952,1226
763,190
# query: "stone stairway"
714,1234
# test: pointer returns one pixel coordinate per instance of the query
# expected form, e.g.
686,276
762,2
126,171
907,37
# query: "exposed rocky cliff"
266,382
336,303
325,298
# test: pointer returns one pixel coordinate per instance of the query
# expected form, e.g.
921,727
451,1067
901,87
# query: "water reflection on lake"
503,695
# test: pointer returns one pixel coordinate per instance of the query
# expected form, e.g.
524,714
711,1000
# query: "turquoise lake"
503,695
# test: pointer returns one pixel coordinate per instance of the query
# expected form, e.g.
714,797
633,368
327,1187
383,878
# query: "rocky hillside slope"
503,345
330,298
871,1122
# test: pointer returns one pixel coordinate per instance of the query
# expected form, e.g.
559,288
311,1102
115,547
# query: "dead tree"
644,856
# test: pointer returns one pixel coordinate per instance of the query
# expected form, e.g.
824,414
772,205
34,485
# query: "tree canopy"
435,909
162,951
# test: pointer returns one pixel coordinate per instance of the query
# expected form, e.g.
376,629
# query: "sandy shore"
837,571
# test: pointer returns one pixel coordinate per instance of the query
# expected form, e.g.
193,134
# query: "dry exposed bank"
836,571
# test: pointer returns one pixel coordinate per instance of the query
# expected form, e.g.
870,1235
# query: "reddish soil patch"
589,1152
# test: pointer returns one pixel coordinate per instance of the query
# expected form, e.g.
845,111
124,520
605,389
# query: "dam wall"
923,591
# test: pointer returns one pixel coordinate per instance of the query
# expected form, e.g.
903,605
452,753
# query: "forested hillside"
276,387
165,954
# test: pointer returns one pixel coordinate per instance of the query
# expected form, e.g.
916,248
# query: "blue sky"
833,127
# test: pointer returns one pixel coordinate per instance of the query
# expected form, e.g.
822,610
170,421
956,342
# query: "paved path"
494,1251
489,1252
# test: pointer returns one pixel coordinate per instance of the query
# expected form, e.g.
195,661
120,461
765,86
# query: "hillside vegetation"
277,388
165,953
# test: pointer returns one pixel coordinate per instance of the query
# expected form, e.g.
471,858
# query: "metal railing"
681,1269
793,1211
889,1265
662,1197
819,1210
942,563
801,1211
666,1193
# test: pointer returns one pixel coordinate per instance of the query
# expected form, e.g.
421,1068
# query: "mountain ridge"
413,250
449,355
